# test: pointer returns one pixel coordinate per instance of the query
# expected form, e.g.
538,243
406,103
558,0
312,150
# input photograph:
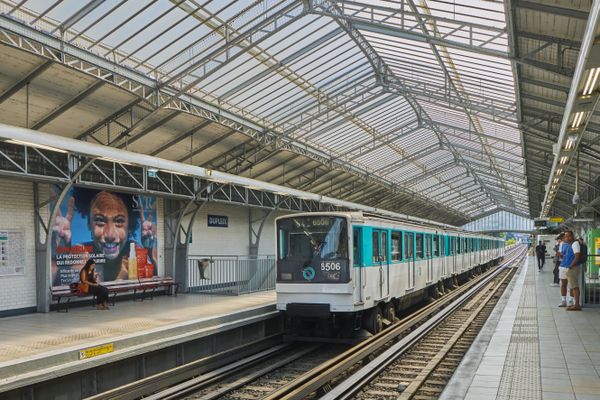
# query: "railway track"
430,365
414,358
422,370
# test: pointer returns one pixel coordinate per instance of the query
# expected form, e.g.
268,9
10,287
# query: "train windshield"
312,249
318,237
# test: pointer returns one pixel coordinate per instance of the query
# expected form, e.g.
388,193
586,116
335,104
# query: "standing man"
571,256
556,260
540,253
562,269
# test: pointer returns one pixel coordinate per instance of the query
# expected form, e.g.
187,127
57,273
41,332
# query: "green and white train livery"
348,270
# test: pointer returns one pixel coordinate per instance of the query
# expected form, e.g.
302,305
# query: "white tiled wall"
233,240
16,212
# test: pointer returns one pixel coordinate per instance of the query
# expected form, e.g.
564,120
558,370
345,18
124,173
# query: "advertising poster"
117,230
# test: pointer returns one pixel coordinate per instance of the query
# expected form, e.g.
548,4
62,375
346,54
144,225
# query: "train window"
408,246
419,245
428,246
396,246
458,245
436,245
356,255
376,252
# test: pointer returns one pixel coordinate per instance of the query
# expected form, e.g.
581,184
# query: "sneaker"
571,303
554,284
563,304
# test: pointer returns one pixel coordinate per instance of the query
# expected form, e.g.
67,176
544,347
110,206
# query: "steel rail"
267,347
441,308
203,381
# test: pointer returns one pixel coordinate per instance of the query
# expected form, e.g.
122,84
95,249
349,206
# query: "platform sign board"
111,228
218,221
556,220
12,252
96,351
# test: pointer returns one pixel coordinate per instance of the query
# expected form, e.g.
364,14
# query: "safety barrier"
230,275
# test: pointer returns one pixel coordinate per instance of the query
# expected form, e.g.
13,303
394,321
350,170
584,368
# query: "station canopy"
411,106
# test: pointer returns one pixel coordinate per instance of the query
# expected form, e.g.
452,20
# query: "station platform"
530,348
35,347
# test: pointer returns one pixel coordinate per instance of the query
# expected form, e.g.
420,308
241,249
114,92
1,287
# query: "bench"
142,286
65,292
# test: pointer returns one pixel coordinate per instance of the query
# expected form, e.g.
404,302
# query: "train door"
409,257
380,259
443,254
454,255
358,266
462,242
429,257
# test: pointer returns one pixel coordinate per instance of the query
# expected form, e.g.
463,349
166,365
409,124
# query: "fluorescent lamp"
590,83
564,159
556,180
559,171
577,119
39,146
570,144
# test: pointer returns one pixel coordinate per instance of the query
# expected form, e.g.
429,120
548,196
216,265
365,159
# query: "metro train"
340,272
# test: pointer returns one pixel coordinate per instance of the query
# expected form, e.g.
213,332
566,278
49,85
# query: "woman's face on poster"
109,222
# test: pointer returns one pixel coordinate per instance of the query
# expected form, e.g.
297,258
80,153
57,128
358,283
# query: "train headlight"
286,276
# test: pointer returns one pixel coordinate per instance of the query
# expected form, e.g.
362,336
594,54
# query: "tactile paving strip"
521,374
11,351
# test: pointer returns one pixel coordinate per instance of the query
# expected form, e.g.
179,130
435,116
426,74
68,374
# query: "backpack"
584,254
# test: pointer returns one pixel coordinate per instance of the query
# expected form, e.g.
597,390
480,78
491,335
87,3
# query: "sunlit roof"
418,94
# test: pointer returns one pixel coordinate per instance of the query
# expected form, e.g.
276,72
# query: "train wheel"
390,312
374,320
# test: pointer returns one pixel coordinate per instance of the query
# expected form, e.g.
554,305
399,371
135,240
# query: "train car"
344,271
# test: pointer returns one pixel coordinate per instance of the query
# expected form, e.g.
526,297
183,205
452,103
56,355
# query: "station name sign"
218,221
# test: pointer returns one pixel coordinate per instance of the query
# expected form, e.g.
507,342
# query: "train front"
314,266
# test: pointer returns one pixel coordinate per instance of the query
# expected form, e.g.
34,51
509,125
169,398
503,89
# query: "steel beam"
15,87
552,9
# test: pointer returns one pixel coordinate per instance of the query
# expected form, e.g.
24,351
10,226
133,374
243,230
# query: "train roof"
361,216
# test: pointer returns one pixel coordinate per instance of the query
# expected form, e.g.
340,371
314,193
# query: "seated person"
88,284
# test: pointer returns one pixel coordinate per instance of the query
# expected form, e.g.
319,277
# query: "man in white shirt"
571,256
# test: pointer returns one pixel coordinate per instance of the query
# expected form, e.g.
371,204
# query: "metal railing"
230,275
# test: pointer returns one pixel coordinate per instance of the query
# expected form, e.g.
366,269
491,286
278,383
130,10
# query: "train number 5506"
331,266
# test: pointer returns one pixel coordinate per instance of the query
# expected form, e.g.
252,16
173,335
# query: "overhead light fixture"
556,180
559,171
577,119
152,172
564,159
590,83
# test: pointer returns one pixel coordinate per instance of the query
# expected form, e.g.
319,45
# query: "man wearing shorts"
562,270
571,256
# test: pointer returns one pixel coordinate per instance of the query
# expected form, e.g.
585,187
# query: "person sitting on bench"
88,284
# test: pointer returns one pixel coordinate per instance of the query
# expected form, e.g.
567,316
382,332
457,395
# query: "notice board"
12,252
